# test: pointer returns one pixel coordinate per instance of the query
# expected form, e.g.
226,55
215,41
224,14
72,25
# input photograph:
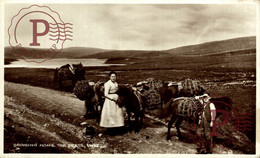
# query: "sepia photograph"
124,78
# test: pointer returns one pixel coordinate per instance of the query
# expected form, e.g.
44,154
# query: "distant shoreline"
53,64
8,61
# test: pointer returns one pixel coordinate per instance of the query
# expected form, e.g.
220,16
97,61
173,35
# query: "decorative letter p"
35,33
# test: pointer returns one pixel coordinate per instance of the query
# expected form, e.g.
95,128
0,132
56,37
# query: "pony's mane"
65,66
222,102
225,99
124,90
80,64
97,85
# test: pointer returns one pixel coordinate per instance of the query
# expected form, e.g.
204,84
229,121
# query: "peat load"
82,90
191,88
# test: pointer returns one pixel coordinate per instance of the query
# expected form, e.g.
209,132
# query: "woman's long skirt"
112,114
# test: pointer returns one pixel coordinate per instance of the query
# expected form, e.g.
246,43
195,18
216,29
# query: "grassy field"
223,71
223,68
239,85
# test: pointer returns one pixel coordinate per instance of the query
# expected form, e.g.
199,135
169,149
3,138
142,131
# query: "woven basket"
154,83
152,97
187,106
83,90
191,88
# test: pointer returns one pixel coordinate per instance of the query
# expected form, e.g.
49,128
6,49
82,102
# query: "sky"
146,26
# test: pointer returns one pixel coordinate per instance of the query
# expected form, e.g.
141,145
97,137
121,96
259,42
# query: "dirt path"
45,120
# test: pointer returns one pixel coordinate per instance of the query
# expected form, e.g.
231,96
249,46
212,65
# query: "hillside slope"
53,119
236,44
209,48
72,52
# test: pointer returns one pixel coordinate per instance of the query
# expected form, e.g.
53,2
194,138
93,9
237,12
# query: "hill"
72,52
209,48
216,47
235,54
78,52
127,54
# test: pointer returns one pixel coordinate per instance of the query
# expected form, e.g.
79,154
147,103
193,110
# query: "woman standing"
112,114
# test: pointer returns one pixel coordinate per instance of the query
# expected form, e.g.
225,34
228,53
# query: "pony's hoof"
168,138
137,130
180,138
203,151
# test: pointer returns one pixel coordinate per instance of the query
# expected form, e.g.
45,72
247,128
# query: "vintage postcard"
174,78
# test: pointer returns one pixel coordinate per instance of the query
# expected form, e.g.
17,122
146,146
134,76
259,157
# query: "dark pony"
128,98
95,100
98,98
163,90
168,92
66,72
89,101
222,103
176,92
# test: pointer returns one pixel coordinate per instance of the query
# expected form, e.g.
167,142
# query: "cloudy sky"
149,26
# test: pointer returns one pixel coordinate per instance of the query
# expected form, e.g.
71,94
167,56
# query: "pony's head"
124,93
77,66
174,89
99,92
223,103
205,98
79,71
90,93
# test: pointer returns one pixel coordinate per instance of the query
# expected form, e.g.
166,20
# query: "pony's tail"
230,101
95,88
167,109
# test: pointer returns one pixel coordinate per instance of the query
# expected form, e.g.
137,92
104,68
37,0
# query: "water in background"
55,63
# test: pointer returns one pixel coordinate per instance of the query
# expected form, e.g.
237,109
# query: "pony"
171,108
167,93
169,90
74,73
178,91
95,99
99,98
89,102
162,90
128,98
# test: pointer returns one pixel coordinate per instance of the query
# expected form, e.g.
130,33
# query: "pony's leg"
60,83
86,106
177,125
162,103
73,83
97,113
141,118
100,110
173,119
129,122
137,127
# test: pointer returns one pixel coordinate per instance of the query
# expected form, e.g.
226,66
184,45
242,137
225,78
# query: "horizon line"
145,49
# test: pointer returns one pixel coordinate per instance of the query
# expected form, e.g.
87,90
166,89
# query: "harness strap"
108,98
179,98
71,69
183,107
138,95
